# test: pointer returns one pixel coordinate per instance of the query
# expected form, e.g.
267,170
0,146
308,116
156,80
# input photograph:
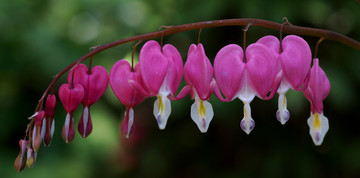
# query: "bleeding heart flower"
95,83
198,74
49,122
245,79
317,90
161,72
19,163
70,96
120,75
38,131
294,60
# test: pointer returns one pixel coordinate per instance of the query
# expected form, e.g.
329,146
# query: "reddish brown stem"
291,29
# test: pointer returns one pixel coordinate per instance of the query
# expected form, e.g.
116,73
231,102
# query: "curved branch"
291,29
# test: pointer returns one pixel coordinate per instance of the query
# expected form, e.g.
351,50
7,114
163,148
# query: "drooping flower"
161,72
70,96
19,163
95,83
120,75
198,74
38,131
245,79
317,90
49,122
294,60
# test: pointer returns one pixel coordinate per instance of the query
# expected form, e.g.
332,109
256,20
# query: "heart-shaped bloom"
294,60
70,96
19,163
317,90
161,72
120,75
245,80
49,122
95,83
198,74
38,131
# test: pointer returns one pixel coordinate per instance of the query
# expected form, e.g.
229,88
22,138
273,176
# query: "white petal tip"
247,125
319,125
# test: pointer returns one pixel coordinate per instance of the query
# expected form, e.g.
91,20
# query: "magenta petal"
272,43
71,97
198,71
175,67
261,68
318,87
229,70
154,66
94,83
295,60
120,75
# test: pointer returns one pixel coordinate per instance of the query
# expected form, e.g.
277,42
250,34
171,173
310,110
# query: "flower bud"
30,158
49,123
36,134
19,163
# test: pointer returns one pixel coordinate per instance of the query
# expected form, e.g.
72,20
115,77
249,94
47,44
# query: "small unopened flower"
19,163
38,132
49,122
120,76
95,83
294,60
317,90
198,74
70,96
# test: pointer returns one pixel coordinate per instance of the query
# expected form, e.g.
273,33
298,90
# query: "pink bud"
198,71
318,88
36,134
94,83
19,163
120,76
70,98
49,119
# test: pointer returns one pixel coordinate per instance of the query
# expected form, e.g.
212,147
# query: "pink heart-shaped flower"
71,97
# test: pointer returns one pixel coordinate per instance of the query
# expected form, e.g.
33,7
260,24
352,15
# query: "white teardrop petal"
282,113
202,114
131,121
319,125
85,120
162,110
247,124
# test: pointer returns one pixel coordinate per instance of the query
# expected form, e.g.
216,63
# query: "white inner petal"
43,129
85,119
282,114
33,135
162,110
67,125
319,125
247,124
246,94
130,122
202,114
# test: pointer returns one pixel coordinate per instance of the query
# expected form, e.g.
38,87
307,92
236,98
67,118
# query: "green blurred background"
39,38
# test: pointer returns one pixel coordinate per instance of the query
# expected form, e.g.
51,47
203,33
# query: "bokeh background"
39,38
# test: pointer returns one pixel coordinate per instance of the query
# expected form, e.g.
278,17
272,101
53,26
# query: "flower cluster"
263,69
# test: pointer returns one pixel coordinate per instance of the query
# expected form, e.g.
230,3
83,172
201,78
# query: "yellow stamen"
284,101
317,123
161,104
202,109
